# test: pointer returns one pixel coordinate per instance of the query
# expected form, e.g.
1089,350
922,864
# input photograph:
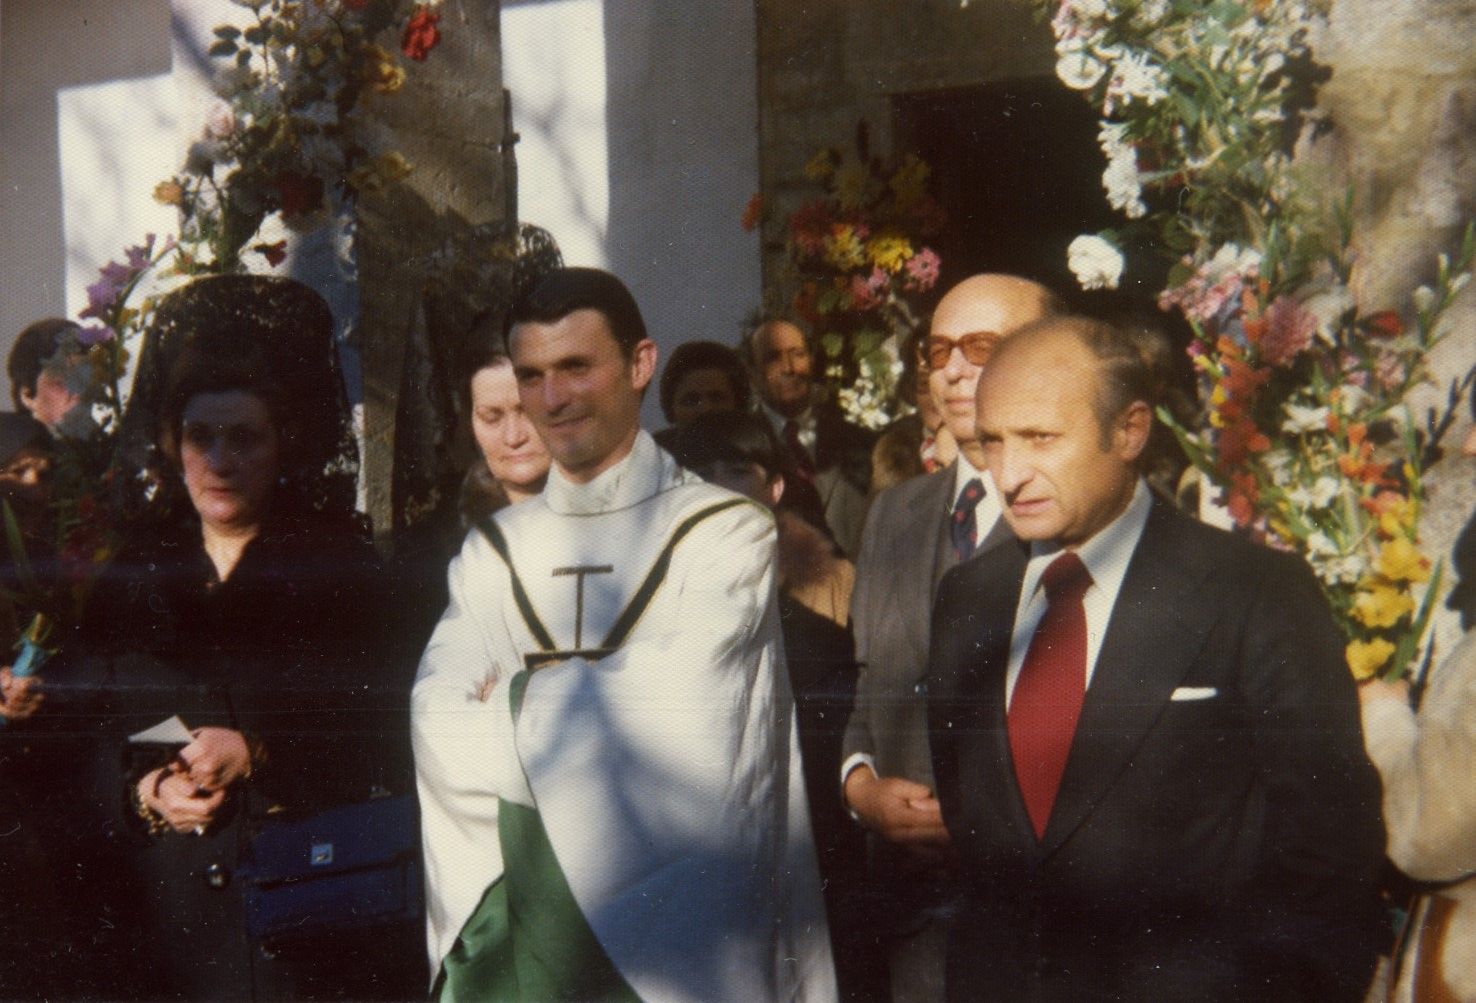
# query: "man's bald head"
971,317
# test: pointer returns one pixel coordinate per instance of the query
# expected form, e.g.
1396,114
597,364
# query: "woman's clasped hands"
189,792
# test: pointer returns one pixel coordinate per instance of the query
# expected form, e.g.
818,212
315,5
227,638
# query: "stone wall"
1401,107
449,122
826,65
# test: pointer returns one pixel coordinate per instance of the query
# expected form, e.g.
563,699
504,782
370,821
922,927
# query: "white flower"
1459,282
1342,570
1135,77
1329,307
1095,262
1354,398
1319,544
1317,495
1124,184
1077,67
1150,12
1278,463
1112,137
1301,419
220,120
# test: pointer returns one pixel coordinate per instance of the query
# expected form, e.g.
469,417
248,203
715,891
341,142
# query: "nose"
555,393
957,367
516,430
220,456
1010,468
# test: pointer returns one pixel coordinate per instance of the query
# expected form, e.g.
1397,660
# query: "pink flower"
220,120
922,270
863,293
1289,330
1390,370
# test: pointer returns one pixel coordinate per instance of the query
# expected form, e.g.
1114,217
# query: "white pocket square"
1194,693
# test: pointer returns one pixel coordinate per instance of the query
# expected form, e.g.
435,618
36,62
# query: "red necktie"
1049,692
964,526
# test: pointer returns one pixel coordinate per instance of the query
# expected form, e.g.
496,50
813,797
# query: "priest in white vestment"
604,734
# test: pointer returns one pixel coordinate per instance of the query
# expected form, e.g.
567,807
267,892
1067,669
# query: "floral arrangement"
861,265
286,133
1308,434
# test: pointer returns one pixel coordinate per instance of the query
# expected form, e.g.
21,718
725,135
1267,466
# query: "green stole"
528,941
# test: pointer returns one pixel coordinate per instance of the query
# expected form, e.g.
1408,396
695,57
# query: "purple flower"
94,334
142,256
103,294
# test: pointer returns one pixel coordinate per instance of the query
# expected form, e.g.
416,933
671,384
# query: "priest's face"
581,389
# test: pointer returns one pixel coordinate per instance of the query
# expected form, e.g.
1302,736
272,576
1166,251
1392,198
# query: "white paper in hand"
172,731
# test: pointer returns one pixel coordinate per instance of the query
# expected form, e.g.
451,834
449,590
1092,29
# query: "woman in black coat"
257,618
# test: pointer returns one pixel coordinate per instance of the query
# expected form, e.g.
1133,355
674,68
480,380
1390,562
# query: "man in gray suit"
915,532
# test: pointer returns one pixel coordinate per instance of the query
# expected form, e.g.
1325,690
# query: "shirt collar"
1107,552
640,475
963,472
805,420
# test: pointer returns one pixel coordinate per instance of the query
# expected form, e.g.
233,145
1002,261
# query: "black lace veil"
273,322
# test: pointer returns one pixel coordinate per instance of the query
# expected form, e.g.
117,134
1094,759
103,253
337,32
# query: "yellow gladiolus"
1365,658
1378,605
843,248
889,252
1400,561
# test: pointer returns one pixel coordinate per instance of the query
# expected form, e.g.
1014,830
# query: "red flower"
421,34
1238,441
1241,500
1384,324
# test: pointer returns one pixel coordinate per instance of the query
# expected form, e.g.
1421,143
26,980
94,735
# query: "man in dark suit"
820,446
1146,740
915,532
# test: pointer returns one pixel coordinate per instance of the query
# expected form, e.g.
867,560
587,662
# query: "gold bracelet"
155,822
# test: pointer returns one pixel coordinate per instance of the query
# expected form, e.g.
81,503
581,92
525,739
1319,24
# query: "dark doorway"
1017,167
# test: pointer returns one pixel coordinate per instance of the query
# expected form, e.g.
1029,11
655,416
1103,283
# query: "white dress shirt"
1106,555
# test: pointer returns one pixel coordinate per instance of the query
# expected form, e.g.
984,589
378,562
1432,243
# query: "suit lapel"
994,575
938,504
1157,627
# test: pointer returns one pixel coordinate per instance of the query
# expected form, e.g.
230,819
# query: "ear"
1134,426
28,399
642,363
776,489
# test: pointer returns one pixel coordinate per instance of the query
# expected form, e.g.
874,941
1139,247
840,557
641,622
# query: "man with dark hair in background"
821,446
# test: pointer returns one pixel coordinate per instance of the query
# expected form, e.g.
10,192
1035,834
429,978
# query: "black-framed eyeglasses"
976,346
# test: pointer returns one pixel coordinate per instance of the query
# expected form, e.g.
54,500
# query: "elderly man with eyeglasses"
915,532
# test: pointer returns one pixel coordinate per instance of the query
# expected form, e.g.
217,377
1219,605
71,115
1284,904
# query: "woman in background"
514,463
